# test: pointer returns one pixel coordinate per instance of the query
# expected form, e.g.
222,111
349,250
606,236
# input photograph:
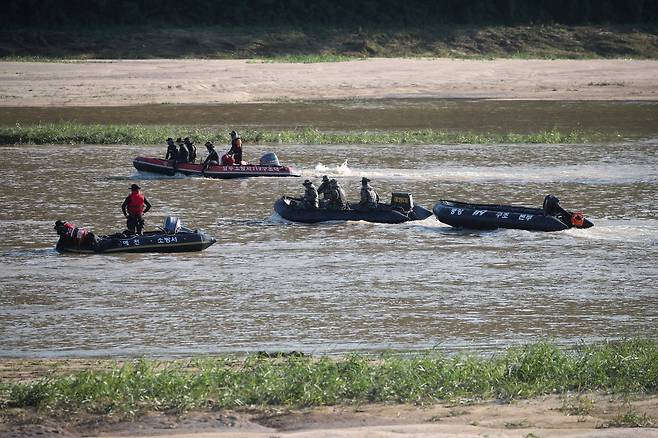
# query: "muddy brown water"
328,288
636,119
272,285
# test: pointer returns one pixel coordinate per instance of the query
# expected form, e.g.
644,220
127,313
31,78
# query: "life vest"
227,160
577,219
135,204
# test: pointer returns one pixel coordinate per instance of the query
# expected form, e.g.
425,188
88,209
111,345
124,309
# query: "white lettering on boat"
459,211
502,215
479,212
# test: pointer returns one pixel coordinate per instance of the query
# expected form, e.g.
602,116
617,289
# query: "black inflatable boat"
490,217
400,210
171,238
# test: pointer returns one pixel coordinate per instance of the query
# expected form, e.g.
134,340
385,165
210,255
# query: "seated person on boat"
324,190
213,157
310,198
369,197
337,199
228,160
72,236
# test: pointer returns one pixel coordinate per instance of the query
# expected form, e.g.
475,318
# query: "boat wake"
622,230
588,174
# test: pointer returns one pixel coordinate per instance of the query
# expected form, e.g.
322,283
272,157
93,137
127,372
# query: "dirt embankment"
105,83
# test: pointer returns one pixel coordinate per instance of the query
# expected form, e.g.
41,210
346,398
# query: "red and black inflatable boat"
267,167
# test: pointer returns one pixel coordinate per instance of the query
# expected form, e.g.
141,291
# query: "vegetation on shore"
75,133
324,43
300,381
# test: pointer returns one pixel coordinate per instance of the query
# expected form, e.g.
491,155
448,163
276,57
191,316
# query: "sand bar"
133,82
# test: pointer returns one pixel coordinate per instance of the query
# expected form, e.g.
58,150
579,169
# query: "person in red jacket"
134,208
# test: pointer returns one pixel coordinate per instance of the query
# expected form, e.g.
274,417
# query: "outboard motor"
269,159
172,225
402,200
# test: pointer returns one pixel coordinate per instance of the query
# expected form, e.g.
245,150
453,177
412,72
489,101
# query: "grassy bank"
297,381
74,133
324,43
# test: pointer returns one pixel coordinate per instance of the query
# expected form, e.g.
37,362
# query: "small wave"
590,174
151,176
628,230
340,170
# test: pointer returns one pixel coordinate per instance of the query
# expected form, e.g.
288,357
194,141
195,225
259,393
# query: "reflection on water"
274,285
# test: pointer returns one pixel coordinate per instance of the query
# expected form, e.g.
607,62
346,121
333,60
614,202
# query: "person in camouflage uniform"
310,198
369,197
337,198
324,190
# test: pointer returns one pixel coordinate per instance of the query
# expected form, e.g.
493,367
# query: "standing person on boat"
325,191
191,149
134,208
310,198
337,198
369,197
213,157
236,147
172,150
183,153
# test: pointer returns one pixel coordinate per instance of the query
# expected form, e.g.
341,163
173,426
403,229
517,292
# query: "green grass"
311,59
74,133
301,381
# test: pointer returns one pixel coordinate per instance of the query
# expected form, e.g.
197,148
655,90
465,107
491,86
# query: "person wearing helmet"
236,147
213,157
310,198
337,198
369,197
172,150
325,191
133,208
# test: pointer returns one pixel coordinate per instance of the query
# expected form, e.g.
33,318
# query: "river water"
328,288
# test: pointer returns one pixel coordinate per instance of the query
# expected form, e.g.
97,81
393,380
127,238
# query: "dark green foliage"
394,13
619,367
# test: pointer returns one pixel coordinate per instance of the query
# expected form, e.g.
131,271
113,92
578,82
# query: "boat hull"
491,217
166,167
385,214
153,241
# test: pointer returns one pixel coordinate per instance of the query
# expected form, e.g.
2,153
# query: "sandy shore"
223,81
540,417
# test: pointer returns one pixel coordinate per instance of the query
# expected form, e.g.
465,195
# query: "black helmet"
209,145
135,187
307,183
365,180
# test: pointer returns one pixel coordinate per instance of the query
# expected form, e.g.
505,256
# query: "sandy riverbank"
551,416
135,82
